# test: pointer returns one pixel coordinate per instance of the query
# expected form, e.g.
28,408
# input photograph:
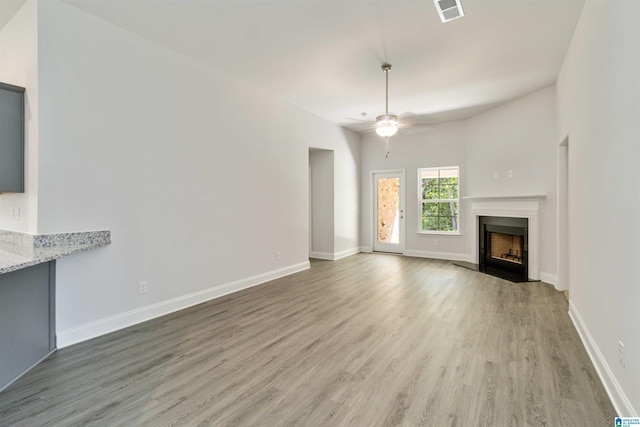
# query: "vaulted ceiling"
325,55
8,8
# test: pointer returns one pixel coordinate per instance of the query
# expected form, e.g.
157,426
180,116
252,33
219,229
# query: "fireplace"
503,247
524,208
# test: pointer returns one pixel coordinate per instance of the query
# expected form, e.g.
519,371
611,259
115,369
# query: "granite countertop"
20,250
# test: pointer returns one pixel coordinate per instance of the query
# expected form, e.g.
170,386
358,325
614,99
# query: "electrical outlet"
621,353
278,255
495,175
510,173
15,215
143,287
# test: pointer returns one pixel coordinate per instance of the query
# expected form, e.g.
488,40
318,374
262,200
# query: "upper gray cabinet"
11,138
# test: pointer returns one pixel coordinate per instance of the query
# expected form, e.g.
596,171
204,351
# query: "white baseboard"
104,326
619,399
438,255
321,255
550,278
545,277
335,256
346,253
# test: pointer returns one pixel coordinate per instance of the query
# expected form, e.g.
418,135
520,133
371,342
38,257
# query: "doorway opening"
321,202
563,218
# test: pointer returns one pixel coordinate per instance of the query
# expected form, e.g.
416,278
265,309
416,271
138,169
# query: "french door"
388,211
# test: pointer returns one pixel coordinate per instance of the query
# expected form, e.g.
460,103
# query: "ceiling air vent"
449,9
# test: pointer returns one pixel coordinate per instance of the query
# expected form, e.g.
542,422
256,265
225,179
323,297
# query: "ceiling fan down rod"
386,67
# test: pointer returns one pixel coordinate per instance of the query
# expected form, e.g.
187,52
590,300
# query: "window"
438,198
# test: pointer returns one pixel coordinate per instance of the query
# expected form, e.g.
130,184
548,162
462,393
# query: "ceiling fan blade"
417,119
414,129
359,125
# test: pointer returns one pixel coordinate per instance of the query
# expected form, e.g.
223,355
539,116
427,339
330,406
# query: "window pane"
388,210
429,209
448,223
448,181
448,209
441,216
429,174
430,188
448,192
436,186
449,173
430,223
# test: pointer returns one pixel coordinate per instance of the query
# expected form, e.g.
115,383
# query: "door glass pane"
388,210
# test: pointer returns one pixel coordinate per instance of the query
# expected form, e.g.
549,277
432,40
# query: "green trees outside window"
439,198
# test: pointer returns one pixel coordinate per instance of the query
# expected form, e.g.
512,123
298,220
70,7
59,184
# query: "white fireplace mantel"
514,207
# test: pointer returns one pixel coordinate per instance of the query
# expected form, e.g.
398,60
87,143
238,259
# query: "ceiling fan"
387,125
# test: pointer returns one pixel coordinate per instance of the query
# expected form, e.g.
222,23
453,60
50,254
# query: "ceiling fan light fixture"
386,130
387,125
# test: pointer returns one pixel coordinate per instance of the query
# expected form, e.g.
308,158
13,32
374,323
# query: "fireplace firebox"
503,247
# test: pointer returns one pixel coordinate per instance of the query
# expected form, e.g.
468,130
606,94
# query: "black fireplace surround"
503,247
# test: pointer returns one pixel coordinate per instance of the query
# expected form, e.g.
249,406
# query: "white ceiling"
325,55
8,8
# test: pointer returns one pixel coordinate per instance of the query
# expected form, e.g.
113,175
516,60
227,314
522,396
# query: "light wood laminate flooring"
368,340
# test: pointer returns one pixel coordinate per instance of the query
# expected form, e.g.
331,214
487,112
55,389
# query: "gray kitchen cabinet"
27,319
12,128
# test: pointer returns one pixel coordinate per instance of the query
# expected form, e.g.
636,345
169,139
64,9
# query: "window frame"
421,201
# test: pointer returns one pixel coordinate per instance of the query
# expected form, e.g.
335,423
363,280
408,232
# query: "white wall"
19,66
599,107
346,196
517,136
443,145
201,178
